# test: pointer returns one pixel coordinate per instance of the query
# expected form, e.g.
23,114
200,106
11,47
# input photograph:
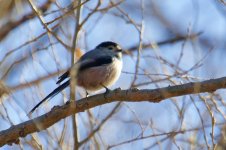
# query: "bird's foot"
87,94
107,90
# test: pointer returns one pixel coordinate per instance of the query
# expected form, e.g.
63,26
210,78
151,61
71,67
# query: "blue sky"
162,20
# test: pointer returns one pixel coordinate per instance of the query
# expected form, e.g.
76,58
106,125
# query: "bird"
95,70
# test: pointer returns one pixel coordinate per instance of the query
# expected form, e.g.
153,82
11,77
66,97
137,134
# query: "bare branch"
8,27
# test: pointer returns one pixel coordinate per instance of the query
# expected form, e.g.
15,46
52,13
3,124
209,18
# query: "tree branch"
12,134
9,26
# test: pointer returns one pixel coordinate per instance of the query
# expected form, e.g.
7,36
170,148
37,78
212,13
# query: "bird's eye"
110,48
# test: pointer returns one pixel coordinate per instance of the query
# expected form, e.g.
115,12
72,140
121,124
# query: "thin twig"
73,71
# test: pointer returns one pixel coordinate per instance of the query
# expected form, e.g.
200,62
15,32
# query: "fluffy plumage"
97,69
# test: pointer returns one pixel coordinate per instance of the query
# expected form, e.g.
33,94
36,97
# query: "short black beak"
119,50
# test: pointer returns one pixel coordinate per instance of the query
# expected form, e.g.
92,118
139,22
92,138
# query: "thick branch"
12,134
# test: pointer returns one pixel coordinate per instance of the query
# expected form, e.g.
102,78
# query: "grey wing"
67,74
99,61
85,62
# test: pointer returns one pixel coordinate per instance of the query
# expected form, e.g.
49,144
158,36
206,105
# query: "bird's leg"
107,89
87,94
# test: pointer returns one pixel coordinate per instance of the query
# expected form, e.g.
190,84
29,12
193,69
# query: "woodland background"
166,43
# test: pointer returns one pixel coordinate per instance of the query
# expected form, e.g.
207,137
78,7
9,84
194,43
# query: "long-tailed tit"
96,69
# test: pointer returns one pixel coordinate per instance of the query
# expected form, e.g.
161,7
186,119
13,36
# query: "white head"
111,47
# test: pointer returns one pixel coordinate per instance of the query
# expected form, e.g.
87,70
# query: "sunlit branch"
12,134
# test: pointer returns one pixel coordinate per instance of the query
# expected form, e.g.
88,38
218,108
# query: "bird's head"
111,46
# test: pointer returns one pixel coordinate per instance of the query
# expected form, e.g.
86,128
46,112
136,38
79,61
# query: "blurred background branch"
165,43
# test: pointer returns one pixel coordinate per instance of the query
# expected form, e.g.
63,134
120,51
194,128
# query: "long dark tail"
52,94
